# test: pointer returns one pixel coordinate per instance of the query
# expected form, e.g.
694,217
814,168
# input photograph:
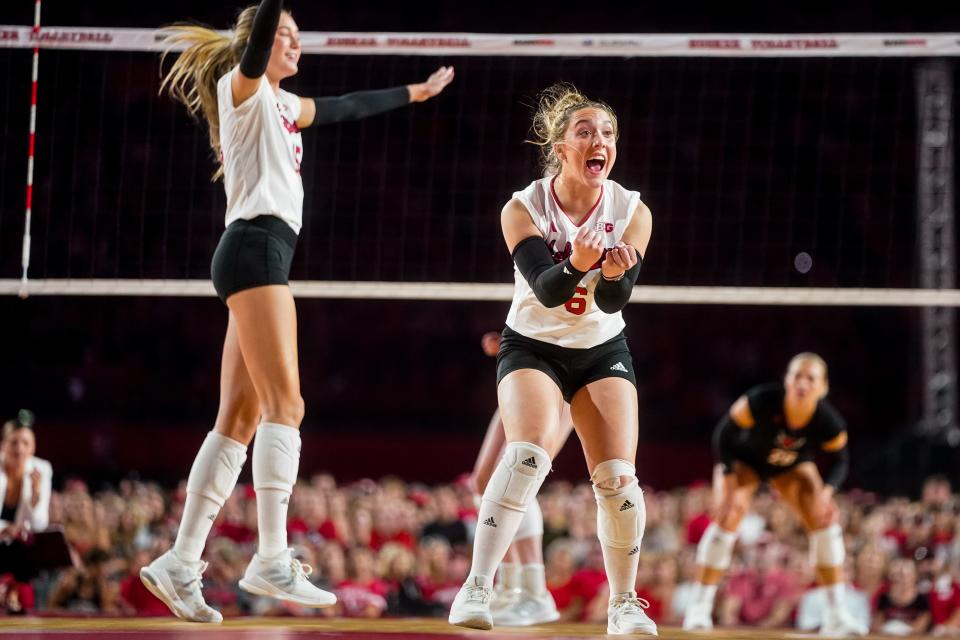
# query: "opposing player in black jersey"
772,434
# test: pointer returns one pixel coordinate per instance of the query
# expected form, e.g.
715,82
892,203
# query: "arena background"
129,385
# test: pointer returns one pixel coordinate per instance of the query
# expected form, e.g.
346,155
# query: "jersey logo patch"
789,442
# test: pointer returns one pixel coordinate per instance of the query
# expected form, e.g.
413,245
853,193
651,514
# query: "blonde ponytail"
193,78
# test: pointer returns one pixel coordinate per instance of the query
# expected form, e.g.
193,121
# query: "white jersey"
262,149
578,324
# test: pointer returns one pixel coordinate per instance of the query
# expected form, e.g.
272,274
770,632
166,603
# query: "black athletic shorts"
764,470
253,253
571,369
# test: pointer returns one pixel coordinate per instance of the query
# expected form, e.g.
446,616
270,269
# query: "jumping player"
576,239
772,434
234,82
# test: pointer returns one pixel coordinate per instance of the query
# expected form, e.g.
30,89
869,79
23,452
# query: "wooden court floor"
314,629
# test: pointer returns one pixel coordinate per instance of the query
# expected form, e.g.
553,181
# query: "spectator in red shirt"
234,521
762,596
362,594
433,577
308,515
389,526
136,596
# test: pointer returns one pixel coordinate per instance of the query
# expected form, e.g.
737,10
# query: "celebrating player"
234,82
577,239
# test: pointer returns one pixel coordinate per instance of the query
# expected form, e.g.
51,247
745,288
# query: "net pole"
25,256
935,222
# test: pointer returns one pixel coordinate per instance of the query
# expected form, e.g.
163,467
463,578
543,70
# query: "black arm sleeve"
553,284
837,467
724,442
257,53
614,296
362,104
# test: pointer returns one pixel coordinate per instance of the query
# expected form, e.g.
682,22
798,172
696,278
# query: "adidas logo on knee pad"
530,462
627,505
490,522
634,551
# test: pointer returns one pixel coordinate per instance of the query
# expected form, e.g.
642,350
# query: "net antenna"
28,218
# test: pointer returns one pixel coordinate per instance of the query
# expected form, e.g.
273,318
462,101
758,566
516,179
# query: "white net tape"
478,44
494,292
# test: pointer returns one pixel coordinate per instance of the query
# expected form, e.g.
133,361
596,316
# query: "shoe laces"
300,570
631,604
478,594
194,582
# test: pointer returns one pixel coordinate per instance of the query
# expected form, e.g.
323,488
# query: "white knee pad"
532,523
826,547
518,476
276,457
621,512
216,468
716,547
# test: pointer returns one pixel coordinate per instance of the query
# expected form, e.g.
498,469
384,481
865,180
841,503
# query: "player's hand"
825,508
587,249
618,260
436,83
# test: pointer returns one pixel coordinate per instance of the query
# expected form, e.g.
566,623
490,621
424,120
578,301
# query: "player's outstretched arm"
363,104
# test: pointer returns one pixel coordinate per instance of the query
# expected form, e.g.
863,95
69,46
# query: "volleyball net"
780,169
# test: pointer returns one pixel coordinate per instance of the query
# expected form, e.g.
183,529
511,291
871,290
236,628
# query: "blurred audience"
391,548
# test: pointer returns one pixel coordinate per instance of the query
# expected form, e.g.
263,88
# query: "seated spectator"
870,571
902,610
447,523
24,480
233,523
135,597
404,598
390,525
763,595
89,589
24,508
308,515
944,597
362,594
434,577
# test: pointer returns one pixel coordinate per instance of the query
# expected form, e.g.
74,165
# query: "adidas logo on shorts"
619,367
530,462
626,505
634,551
489,522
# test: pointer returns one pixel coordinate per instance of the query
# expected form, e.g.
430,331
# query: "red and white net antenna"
25,260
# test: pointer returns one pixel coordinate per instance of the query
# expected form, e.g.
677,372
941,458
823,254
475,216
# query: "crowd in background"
396,548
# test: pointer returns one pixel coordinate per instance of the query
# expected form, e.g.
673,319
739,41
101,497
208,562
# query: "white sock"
836,595
508,576
213,476
276,459
496,526
534,579
198,516
708,593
